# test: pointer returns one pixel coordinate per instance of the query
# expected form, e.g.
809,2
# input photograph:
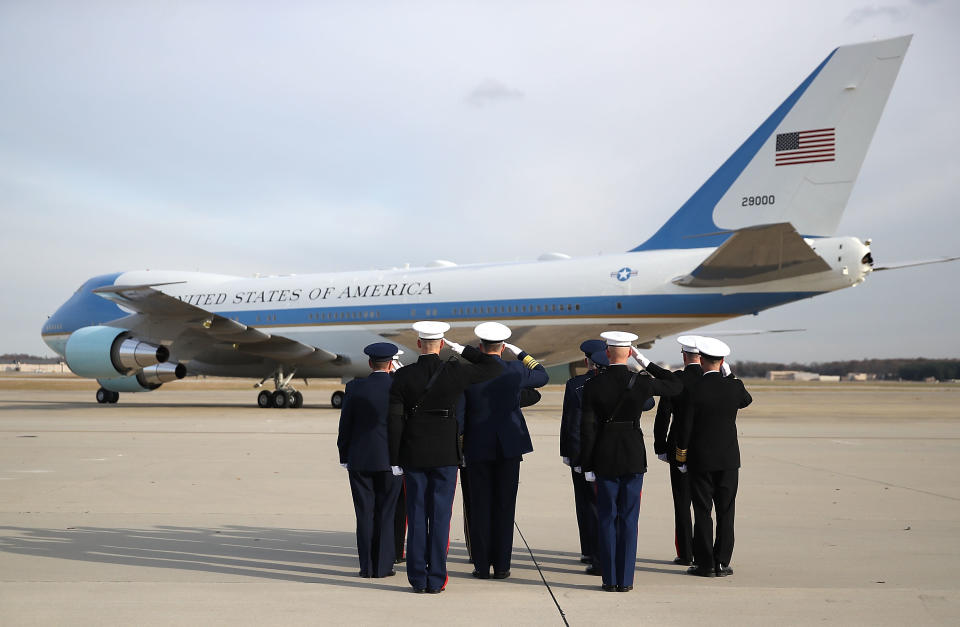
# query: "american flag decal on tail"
806,146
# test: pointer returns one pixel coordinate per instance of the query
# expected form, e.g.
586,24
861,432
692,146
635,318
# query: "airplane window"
619,306
577,306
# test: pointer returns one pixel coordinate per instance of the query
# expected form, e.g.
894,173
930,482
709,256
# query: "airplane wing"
158,309
756,254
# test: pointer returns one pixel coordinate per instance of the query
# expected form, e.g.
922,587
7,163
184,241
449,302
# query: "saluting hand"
513,349
589,476
639,357
457,348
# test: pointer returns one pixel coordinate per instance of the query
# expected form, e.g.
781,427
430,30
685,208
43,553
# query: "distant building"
792,375
861,376
830,378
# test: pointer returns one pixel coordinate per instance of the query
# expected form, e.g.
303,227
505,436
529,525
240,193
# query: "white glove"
663,457
344,466
457,348
578,470
397,471
639,357
682,468
566,460
725,369
513,349
397,365
590,477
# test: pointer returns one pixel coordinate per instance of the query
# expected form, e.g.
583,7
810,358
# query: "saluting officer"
707,445
424,433
362,442
495,439
665,429
612,452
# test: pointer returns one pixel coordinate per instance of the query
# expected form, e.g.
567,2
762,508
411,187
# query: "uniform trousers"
618,510
429,509
493,503
585,501
374,501
718,489
465,501
682,523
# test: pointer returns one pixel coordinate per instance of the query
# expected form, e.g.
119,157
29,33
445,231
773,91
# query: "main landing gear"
337,399
105,396
283,396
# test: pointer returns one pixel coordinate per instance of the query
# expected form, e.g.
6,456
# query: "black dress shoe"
501,574
593,570
679,561
586,559
723,571
481,575
624,588
606,588
701,572
389,574
399,560
363,574
434,591
419,590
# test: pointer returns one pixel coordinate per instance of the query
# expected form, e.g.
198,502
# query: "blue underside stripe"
686,228
595,306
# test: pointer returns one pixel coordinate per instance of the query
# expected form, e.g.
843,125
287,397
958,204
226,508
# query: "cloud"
863,14
492,91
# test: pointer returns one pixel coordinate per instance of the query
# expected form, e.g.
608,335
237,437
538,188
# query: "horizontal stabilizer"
754,255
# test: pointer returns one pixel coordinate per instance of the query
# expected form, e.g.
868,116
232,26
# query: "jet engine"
105,352
150,378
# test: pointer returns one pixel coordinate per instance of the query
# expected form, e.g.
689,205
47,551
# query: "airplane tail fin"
799,166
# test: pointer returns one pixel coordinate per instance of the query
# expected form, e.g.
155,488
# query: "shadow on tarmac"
301,555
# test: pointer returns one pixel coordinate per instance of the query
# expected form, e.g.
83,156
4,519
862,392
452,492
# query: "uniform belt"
624,420
434,413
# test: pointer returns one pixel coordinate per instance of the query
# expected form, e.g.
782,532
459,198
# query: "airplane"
758,233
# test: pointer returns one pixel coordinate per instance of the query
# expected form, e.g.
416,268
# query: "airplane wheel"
337,399
103,396
296,400
278,399
114,397
263,399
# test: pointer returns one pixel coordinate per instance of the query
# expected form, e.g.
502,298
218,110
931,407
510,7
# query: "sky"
298,137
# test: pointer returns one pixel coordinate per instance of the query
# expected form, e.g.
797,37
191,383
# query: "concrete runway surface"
190,506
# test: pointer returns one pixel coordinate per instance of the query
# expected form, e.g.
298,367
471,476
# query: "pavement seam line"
563,616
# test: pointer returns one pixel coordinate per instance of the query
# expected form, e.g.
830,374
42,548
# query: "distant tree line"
916,369
23,358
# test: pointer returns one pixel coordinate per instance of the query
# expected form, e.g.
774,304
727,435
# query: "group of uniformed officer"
405,432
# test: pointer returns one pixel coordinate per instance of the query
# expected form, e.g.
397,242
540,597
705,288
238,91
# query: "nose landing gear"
106,396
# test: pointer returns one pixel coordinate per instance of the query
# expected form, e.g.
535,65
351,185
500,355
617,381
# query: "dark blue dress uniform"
665,430
425,445
495,440
584,494
707,443
362,442
612,447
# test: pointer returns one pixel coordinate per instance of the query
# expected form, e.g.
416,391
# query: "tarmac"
191,506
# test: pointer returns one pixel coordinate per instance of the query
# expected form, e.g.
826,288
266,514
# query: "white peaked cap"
430,329
619,338
492,331
688,344
712,347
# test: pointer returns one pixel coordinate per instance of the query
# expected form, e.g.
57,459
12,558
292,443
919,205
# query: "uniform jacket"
424,440
570,419
611,449
708,428
362,439
494,427
664,429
